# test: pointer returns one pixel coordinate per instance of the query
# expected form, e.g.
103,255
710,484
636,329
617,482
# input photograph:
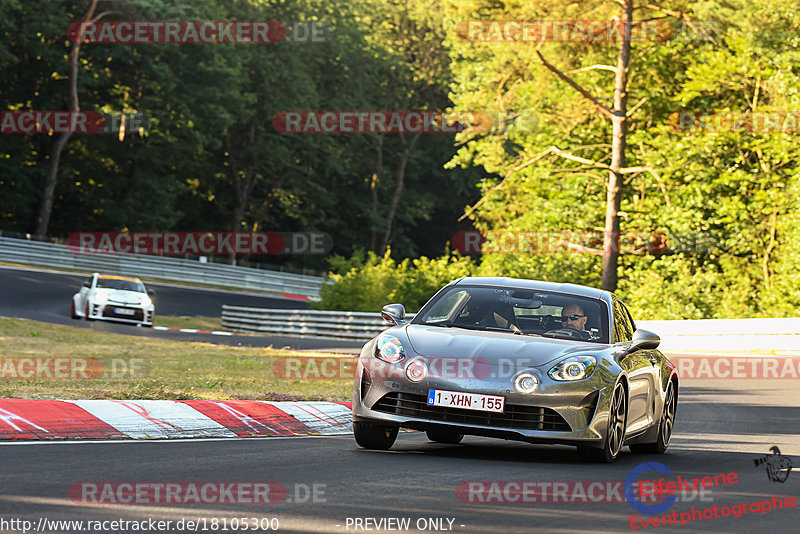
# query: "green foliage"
367,282
210,110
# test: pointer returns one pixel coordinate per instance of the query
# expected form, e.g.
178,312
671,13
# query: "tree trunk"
400,176
48,196
243,183
376,178
614,192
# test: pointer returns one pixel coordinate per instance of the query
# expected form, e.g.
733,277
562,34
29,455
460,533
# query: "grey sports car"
517,359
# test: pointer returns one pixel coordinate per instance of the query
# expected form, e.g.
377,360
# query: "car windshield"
116,283
521,311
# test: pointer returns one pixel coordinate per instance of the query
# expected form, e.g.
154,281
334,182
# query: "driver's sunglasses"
573,317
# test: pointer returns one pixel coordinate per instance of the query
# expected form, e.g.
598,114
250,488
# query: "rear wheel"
372,436
440,435
664,429
615,435
72,313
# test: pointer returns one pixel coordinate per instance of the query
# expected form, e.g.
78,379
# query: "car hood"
122,296
494,348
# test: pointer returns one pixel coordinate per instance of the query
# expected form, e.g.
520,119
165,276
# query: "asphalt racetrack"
723,426
45,296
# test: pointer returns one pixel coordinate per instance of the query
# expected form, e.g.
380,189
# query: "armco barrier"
359,326
713,335
163,268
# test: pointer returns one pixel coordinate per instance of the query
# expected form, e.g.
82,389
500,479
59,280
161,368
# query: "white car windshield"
115,283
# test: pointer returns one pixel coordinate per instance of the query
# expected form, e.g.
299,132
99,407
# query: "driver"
572,316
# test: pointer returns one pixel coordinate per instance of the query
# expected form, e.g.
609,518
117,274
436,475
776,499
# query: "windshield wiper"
446,323
557,336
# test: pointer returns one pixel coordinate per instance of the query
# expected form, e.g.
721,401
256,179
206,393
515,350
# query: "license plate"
124,311
466,401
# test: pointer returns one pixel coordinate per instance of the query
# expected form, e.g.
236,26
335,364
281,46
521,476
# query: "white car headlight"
389,349
101,297
573,368
146,301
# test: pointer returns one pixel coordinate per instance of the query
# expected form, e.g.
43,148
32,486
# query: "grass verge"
131,367
198,323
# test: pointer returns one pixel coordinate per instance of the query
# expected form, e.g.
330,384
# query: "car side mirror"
643,339
394,313
151,292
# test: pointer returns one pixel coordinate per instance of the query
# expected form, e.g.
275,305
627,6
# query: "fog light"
416,371
526,383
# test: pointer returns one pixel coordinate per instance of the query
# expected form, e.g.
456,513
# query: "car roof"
573,289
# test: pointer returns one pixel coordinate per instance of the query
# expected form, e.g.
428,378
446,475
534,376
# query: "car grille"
108,311
515,415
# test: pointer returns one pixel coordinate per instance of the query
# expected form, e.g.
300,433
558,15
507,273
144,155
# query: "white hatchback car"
115,298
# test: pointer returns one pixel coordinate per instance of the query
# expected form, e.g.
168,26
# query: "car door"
639,370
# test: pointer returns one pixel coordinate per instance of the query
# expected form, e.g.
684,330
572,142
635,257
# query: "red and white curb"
22,419
193,331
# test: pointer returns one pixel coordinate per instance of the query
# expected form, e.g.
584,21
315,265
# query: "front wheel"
372,436
664,428
615,435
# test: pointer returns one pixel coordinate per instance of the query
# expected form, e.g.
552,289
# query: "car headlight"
574,368
146,301
101,298
389,349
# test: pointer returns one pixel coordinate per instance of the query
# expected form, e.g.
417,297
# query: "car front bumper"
557,412
126,313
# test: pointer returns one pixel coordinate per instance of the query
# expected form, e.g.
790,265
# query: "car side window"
628,315
88,282
623,330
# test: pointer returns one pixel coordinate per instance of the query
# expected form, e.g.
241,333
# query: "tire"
72,313
615,434
440,435
87,313
372,436
664,428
